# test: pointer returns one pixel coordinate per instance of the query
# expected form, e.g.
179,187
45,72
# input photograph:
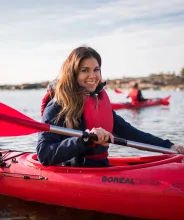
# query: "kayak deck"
30,159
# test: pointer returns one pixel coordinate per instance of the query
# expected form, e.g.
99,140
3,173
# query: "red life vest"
48,96
98,113
133,94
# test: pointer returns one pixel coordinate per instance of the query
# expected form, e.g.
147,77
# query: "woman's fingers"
112,138
179,148
103,136
100,134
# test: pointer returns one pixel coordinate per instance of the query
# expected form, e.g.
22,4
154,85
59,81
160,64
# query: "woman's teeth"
90,82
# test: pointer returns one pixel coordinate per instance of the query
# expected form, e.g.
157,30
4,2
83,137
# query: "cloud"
134,37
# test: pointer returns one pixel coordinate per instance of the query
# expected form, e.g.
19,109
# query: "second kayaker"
80,102
135,94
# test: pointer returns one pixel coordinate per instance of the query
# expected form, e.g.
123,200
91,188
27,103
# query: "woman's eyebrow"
85,67
89,67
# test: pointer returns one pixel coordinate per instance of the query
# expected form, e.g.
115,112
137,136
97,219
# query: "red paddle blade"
118,91
14,123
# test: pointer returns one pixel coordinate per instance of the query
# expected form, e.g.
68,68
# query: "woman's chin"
91,89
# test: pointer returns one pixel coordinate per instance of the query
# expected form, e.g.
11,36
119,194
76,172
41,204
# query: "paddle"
14,123
118,91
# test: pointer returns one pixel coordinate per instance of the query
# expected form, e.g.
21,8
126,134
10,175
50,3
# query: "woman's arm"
54,148
125,130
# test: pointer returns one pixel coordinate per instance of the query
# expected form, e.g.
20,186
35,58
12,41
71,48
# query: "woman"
80,102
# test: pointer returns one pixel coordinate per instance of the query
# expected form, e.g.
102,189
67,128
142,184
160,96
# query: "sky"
134,37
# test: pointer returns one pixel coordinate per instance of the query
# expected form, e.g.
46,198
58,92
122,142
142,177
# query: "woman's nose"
92,73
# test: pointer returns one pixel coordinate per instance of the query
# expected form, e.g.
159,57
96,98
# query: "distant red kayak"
147,103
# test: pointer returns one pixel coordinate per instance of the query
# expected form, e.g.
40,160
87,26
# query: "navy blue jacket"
53,149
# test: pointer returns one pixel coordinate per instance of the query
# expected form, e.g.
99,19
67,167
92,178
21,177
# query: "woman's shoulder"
52,85
51,111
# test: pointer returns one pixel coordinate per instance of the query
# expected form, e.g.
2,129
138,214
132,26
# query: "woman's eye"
85,70
88,70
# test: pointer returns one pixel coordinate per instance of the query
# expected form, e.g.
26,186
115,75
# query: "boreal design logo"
130,180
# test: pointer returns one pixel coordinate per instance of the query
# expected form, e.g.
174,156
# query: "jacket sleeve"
140,96
125,130
54,148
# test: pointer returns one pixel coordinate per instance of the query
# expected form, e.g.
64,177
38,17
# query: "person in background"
135,94
79,101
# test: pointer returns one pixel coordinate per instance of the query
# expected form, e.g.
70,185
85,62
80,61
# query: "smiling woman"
80,102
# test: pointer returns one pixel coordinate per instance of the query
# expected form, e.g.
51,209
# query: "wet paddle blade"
14,123
118,91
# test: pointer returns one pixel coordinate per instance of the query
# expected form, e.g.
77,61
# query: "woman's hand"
103,136
179,148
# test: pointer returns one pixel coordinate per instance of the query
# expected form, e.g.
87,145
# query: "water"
163,121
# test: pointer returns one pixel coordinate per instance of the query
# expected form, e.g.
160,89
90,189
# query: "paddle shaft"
38,126
119,141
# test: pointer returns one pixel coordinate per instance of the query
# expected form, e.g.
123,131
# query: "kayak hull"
147,103
130,187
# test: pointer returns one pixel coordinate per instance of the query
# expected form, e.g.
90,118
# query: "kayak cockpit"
116,163
123,163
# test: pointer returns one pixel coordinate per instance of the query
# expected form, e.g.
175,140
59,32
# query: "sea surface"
163,121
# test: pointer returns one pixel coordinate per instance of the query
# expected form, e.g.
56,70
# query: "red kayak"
147,103
150,187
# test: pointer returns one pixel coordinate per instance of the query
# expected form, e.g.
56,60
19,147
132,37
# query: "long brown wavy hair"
69,94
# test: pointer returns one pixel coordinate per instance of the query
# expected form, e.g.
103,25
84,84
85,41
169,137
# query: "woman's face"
89,74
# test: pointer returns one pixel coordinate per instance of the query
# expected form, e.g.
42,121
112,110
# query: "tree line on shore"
162,80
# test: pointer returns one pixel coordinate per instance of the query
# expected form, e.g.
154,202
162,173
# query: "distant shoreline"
156,82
